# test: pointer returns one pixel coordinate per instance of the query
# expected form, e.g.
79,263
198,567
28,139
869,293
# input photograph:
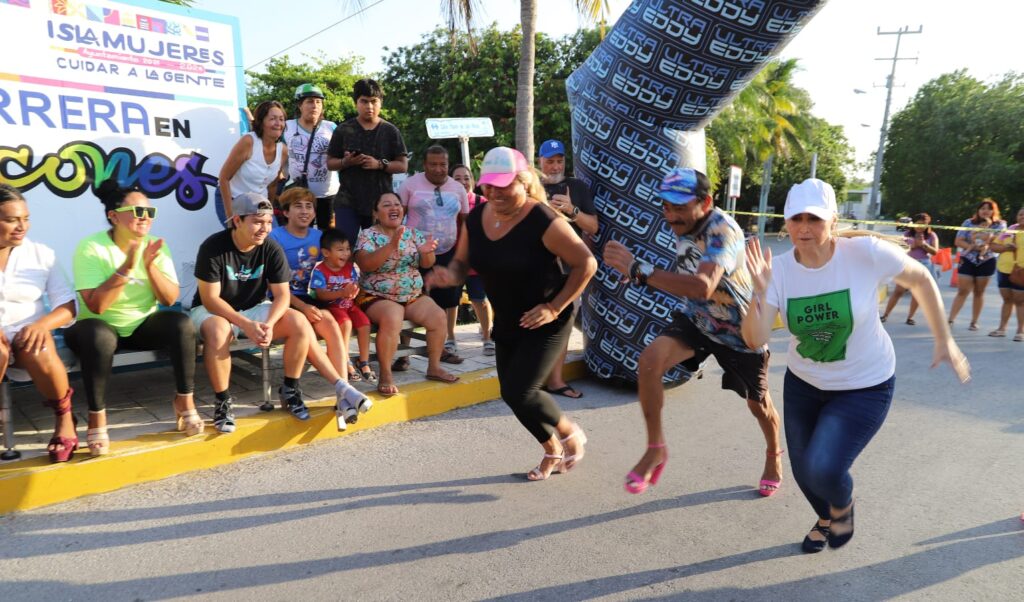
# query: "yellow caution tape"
874,222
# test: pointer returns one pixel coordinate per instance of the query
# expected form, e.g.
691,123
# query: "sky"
836,50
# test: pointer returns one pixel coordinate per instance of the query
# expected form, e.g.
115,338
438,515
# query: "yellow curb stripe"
35,482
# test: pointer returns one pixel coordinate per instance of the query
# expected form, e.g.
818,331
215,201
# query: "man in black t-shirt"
234,271
572,198
569,196
366,150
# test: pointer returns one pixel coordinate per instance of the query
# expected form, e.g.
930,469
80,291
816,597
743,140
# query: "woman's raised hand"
429,245
397,238
151,252
759,265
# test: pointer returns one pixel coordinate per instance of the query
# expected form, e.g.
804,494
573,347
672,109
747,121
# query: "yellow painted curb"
33,483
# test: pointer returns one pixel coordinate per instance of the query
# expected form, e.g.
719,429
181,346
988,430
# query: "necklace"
498,222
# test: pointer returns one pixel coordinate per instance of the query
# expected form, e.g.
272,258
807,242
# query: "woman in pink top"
923,243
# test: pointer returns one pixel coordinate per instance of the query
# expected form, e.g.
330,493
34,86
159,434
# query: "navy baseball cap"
682,185
550,148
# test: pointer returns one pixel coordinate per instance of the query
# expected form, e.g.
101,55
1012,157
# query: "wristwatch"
574,213
384,164
640,271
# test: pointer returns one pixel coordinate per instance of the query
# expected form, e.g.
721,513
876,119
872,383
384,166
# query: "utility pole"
873,205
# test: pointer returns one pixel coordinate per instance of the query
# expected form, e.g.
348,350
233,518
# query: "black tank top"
517,270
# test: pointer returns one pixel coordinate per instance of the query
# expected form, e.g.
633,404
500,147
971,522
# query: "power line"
873,204
311,36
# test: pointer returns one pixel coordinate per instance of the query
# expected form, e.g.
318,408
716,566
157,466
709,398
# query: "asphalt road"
438,509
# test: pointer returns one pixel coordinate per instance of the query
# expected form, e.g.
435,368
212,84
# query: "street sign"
735,179
460,127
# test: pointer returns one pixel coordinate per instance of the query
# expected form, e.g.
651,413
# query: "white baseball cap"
811,196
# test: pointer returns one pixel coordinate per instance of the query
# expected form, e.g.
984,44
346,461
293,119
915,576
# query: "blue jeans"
826,431
350,223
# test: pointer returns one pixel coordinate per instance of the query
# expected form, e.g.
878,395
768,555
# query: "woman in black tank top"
515,242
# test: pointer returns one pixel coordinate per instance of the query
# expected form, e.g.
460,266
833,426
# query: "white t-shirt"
322,182
837,341
31,272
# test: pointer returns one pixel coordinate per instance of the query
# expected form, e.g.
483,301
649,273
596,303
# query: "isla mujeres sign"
143,92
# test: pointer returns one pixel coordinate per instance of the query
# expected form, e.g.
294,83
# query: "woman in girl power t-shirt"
841,363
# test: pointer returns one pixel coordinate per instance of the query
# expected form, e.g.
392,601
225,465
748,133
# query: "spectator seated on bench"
389,256
28,271
334,284
121,275
234,271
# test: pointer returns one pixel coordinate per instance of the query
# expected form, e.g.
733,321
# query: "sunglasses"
140,211
437,197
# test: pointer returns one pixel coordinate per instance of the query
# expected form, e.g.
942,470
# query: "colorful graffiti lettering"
81,164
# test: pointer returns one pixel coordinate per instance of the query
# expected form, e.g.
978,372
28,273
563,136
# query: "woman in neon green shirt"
121,274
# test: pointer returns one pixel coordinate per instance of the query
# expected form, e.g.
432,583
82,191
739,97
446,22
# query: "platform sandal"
97,439
191,423
61,407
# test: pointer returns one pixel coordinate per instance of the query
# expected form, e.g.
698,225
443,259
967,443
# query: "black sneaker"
223,417
291,400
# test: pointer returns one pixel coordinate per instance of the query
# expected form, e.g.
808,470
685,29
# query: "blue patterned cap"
682,185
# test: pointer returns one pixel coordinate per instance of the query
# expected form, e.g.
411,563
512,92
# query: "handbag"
1017,271
302,180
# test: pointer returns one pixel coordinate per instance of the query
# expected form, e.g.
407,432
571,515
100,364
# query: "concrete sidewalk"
145,445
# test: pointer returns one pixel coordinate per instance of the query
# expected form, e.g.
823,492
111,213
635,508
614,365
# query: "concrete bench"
241,350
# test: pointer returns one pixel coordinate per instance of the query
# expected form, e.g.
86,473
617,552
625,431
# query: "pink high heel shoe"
767,487
636,483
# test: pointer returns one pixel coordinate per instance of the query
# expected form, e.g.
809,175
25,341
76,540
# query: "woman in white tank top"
258,159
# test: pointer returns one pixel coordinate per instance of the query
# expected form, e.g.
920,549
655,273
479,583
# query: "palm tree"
766,117
460,13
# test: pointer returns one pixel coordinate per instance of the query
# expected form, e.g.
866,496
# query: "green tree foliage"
335,77
957,141
835,161
772,117
439,77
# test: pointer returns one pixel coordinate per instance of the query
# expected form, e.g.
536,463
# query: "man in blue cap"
714,289
572,199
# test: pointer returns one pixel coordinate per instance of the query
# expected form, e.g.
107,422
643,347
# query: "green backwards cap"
307,91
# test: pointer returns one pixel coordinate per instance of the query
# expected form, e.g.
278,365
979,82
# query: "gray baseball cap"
250,203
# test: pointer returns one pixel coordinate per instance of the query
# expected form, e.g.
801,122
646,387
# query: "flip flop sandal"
565,391
997,333
387,389
451,378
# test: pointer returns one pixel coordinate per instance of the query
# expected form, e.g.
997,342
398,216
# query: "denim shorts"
984,269
475,288
1004,282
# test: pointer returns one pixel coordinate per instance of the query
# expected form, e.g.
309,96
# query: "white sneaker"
339,418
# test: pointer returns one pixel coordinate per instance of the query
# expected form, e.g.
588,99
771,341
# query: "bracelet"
125,276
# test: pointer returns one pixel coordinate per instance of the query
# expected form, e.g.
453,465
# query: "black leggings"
95,342
524,363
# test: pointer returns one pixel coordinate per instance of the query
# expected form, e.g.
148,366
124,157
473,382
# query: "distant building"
857,204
